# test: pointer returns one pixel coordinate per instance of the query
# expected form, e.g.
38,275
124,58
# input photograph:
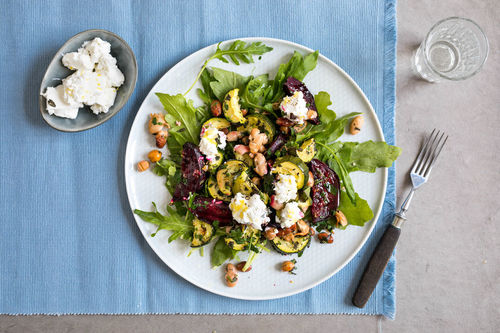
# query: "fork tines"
429,153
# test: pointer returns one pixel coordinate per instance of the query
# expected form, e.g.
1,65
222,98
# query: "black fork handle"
377,263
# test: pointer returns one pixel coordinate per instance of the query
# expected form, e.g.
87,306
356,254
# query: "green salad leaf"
206,94
347,157
331,127
367,156
172,172
323,101
330,156
180,224
356,214
255,93
241,51
185,121
298,66
221,253
236,52
225,81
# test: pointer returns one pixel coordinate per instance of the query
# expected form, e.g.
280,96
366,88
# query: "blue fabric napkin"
68,240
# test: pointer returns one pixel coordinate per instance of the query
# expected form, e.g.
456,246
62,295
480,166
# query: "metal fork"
419,175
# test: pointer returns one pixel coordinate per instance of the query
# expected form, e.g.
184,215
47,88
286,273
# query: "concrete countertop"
448,272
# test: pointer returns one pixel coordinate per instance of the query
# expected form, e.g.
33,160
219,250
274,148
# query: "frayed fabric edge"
390,42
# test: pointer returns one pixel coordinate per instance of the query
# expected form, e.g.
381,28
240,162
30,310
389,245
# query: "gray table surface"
448,273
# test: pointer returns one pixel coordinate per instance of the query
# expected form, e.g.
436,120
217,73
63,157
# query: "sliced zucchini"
216,162
264,124
291,165
214,190
227,174
202,234
298,245
244,158
304,204
236,246
231,107
218,123
242,184
307,150
241,243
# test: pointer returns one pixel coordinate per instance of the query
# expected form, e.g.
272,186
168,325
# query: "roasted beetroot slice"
193,175
192,162
292,85
276,145
325,191
211,210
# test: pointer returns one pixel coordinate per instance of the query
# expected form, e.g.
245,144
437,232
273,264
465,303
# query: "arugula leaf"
171,170
255,92
237,51
327,132
298,66
368,155
322,100
181,225
336,128
206,94
181,111
221,253
337,164
356,214
242,51
225,81
307,64
331,128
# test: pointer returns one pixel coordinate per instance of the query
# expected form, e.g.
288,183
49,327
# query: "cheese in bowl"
94,83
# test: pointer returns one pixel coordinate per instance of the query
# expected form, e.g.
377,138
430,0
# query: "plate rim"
372,223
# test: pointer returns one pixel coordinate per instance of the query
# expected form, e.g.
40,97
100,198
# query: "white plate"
264,281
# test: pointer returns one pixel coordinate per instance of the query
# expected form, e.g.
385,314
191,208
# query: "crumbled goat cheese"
57,105
285,188
289,215
253,211
94,83
211,140
295,107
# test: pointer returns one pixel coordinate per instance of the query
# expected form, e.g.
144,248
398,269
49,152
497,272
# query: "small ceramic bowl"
56,72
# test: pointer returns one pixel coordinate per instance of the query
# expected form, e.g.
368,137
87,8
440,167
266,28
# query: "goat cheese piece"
104,101
58,106
78,61
96,49
285,188
295,107
84,87
211,140
252,211
289,215
107,68
94,83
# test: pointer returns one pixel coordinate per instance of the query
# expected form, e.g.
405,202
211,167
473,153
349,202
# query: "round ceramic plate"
265,280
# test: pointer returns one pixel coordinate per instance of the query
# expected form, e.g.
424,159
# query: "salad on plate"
258,167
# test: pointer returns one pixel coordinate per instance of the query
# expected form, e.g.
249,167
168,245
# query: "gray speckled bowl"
56,72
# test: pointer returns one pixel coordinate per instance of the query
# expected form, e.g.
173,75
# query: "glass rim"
444,76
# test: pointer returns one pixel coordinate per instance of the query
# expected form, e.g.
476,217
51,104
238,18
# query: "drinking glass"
454,49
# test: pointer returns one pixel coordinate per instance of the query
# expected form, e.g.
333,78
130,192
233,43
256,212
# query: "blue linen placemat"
68,240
